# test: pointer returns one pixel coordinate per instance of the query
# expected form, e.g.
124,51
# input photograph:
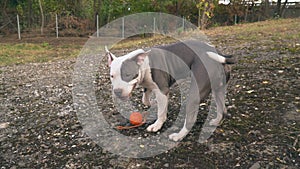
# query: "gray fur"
158,70
129,70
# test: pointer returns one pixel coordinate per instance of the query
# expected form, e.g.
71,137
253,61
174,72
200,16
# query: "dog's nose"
118,92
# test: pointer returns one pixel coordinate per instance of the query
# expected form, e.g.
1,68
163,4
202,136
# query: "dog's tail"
221,59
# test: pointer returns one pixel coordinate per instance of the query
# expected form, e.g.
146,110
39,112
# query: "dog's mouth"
126,97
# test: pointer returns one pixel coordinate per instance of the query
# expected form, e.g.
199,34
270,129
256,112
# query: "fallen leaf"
265,82
280,71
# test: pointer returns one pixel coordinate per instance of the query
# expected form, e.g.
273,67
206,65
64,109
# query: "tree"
29,13
42,17
205,12
279,10
5,16
266,10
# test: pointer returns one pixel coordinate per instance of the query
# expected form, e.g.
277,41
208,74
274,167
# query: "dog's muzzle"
119,92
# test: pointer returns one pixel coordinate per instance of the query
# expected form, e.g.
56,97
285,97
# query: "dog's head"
125,72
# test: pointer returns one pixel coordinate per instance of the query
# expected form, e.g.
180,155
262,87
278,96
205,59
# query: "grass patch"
258,32
32,53
138,41
273,35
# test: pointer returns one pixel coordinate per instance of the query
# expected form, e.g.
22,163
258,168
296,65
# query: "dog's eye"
112,76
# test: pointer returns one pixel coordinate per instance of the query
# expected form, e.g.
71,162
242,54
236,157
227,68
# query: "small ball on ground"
136,118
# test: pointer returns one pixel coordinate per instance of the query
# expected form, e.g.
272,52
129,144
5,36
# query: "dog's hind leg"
219,96
191,113
199,89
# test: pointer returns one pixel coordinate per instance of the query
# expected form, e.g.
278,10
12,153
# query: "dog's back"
174,61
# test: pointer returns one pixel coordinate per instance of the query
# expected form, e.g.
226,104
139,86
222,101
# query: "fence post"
154,25
97,25
56,24
19,31
123,27
235,19
183,24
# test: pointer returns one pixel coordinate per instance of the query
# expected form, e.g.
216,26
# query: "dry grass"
284,33
275,30
31,52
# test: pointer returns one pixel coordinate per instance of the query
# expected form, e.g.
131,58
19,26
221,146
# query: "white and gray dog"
157,70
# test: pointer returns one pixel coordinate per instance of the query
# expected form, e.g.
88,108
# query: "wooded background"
78,17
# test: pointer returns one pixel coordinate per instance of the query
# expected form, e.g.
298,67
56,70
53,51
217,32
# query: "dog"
159,68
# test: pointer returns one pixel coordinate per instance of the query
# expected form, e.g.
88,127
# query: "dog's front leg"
146,97
162,106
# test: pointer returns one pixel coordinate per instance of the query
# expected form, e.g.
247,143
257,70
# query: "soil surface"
39,127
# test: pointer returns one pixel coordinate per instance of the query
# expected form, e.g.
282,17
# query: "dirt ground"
39,127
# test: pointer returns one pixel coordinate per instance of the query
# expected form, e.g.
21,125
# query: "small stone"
167,165
4,125
202,104
255,166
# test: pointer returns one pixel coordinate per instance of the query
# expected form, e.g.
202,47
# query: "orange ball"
136,118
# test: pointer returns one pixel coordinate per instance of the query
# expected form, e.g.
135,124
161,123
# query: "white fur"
216,57
115,72
145,79
179,136
162,107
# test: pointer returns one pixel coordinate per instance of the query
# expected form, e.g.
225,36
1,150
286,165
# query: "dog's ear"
110,56
141,57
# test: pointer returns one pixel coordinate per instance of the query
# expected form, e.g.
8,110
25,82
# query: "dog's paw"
176,136
154,127
179,136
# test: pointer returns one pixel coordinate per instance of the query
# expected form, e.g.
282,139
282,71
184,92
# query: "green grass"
275,30
32,53
149,41
280,35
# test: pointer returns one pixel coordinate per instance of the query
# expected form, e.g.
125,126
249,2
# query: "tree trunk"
95,12
203,19
43,18
267,9
29,14
99,11
246,12
5,15
178,4
283,8
277,10
199,17
109,14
